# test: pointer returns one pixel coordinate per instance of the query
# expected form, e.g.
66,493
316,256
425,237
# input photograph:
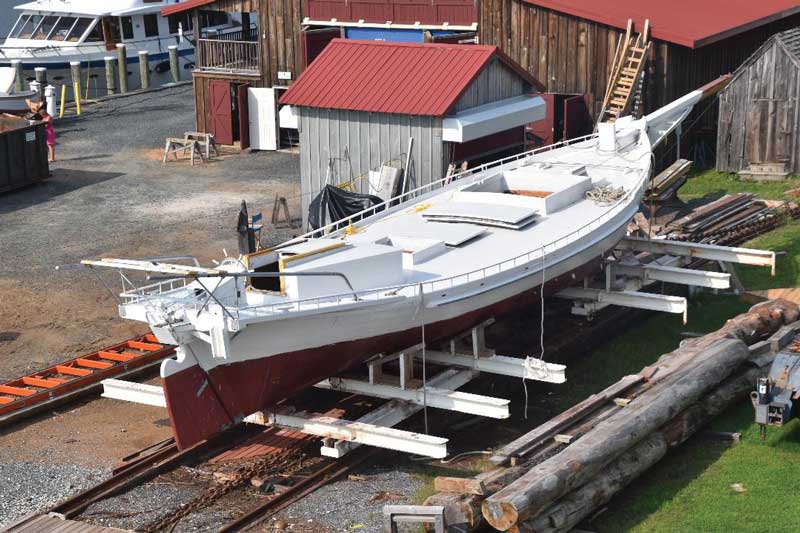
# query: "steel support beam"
439,398
529,368
363,433
639,300
742,256
130,391
682,276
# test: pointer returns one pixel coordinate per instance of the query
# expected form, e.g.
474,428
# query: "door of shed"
221,111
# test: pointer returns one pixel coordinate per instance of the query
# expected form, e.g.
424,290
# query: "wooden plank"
554,426
458,485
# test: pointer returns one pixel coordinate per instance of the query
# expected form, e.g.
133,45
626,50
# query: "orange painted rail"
83,371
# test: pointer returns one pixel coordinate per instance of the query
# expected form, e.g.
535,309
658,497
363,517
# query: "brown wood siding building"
574,55
759,115
280,50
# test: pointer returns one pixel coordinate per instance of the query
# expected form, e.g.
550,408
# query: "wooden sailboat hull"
203,402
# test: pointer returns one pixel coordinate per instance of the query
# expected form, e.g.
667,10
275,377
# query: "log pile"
540,483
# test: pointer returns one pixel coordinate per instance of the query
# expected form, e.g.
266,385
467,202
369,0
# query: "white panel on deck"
451,234
510,216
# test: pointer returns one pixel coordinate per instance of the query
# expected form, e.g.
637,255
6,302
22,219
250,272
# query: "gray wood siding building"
759,115
341,146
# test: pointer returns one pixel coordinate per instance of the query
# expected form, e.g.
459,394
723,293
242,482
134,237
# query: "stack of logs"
555,476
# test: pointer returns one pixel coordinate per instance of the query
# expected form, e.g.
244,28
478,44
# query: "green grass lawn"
690,490
713,184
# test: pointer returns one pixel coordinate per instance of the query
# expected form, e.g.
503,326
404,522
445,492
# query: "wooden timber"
570,510
464,508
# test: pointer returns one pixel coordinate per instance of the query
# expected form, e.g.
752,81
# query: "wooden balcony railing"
234,35
228,56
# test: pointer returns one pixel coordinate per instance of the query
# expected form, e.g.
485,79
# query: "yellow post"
63,100
77,98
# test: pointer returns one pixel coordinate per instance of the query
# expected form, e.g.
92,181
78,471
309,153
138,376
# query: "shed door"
263,118
769,131
219,96
244,116
577,120
784,136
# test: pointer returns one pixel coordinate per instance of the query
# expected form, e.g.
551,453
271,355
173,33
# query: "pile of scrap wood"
730,220
664,187
557,475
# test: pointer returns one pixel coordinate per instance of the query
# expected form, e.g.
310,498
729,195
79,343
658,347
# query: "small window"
26,30
19,24
127,28
44,29
62,29
150,25
214,18
95,36
79,29
174,21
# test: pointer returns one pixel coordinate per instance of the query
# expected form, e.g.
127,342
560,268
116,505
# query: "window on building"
150,25
127,28
62,28
175,21
95,36
79,29
213,18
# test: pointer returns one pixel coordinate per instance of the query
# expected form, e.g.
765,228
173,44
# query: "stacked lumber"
553,477
664,187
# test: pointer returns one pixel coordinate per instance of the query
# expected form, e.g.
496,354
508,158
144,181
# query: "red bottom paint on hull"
201,404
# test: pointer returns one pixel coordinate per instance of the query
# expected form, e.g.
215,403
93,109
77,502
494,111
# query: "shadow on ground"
63,181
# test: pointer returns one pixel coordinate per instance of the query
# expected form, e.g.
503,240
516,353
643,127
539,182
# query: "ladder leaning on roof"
624,83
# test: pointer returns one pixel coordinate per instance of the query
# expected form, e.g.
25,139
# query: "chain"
283,463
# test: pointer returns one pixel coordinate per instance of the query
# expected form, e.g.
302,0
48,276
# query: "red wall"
460,12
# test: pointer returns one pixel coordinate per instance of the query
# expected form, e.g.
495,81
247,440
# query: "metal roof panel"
389,77
692,23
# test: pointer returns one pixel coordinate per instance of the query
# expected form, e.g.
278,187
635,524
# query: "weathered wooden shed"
759,115
360,102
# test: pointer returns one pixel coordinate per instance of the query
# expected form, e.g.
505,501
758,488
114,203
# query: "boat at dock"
54,33
10,100
448,256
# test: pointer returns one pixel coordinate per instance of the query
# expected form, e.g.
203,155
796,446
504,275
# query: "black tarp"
335,204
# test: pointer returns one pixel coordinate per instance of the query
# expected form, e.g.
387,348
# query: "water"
8,16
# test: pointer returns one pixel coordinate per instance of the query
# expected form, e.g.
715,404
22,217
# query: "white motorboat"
11,101
53,33
259,328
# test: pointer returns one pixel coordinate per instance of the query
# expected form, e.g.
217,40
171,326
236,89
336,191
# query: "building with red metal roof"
403,78
691,23
360,104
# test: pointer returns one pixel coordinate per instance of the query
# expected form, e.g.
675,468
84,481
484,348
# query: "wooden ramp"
624,83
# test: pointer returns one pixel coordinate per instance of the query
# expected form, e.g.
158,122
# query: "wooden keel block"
459,485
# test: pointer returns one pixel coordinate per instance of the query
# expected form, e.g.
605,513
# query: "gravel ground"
35,486
109,190
352,504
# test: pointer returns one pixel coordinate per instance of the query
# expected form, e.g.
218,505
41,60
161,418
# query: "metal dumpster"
23,153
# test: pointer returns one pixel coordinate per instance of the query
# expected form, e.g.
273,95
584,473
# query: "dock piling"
144,68
110,81
75,71
19,78
173,64
41,76
122,65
